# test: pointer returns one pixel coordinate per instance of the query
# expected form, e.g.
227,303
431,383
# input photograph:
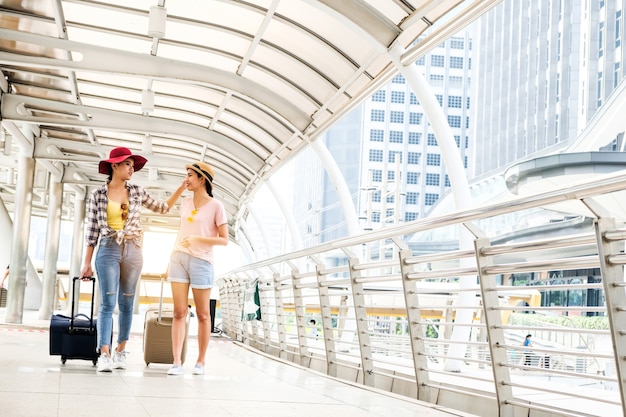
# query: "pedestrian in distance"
114,226
313,324
527,354
203,225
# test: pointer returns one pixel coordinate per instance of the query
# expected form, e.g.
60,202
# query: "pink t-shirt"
204,223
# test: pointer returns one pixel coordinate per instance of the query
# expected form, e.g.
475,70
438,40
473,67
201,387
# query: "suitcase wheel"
94,361
63,360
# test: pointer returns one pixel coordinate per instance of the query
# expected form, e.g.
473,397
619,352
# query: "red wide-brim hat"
118,155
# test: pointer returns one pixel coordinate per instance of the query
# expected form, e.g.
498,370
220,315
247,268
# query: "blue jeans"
119,269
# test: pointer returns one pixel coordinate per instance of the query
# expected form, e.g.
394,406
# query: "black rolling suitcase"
75,337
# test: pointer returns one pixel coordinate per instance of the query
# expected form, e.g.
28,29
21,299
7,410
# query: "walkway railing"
393,308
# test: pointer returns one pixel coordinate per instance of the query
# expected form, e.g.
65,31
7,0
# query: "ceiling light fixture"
156,26
147,101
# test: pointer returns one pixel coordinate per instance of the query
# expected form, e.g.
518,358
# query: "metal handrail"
343,306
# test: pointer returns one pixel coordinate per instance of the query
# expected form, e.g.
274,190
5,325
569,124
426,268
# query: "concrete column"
78,243
51,254
6,225
21,232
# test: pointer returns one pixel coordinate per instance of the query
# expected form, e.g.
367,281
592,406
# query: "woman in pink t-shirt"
203,224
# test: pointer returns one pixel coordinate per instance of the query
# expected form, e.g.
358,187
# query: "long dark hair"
207,183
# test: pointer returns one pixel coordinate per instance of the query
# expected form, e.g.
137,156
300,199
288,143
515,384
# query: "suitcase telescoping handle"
76,294
161,300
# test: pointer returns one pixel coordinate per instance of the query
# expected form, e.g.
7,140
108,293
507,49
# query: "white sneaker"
104,363
175,370
119,360
198,369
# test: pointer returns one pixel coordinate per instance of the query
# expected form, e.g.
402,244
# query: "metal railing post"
360,315
416,332
280,317
493,318
613,281
327,321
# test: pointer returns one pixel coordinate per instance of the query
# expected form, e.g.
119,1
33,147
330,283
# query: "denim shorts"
187,269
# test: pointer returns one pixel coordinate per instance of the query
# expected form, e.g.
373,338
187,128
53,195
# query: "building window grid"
396,136
433,159
396,116
409,216
430,198
412,177
379,96
377,135
415,118
436,79
618,28
432,179
377,175
600,39
377,115
455,102
376,155
414,138
432,140
413,158
398,79
457,43
456,62
412,197
397,96
437,60
393,154
454,121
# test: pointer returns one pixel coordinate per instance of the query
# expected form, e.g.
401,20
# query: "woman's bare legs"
202,299
180,295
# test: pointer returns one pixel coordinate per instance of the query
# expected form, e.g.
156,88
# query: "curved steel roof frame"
242,85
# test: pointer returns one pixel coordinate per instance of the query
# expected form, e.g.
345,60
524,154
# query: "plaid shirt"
97,214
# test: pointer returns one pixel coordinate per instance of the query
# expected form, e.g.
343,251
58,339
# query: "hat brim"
104,166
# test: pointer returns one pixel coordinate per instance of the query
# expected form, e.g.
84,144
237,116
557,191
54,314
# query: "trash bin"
3,297
581,362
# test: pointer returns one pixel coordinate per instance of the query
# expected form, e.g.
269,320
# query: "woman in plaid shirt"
114,224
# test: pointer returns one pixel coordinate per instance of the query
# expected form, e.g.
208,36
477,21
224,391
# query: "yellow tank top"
114,215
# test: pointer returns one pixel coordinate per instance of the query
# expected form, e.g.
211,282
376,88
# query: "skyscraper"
543,68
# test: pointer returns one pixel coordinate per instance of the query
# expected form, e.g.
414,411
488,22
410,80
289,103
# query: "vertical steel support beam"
78,243
21,233
615,294
493,318
281,328
285,209
240,325
362,324
327,324
268,294
416,332
338,180
300,309
51,255
460,190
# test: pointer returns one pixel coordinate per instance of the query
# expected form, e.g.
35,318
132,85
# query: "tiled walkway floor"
238,382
